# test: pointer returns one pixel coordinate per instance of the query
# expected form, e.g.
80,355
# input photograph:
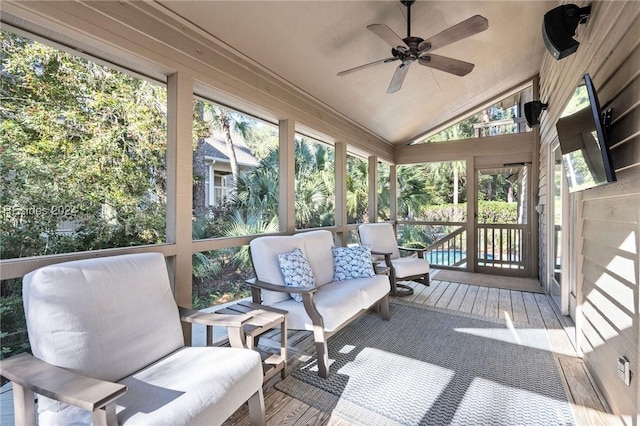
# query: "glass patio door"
563,216
502,223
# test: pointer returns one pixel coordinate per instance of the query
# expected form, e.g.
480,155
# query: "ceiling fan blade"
370,64
443,63
464,29
398,77
387,34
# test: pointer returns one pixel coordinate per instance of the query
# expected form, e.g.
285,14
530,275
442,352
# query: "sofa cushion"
296,271
264,255
97,341
318,251
371,289
224,378
352,262
335,302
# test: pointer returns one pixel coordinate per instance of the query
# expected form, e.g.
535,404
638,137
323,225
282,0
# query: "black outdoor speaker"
532,111
559,27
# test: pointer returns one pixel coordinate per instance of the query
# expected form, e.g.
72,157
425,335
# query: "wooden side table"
264,318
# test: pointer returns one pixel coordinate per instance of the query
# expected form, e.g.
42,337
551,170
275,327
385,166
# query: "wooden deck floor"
522,308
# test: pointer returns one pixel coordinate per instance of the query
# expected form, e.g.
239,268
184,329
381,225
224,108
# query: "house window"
83,152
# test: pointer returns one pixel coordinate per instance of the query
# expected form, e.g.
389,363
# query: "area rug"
429,367
486,280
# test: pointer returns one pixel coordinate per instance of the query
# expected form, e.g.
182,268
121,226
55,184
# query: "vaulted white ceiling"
308,42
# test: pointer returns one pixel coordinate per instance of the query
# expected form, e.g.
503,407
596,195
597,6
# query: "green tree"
447,176
83,147
357,190
414,192
314,184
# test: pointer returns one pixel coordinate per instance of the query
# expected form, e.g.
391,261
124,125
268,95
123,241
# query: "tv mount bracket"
606,119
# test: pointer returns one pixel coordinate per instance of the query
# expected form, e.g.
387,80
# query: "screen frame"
602,131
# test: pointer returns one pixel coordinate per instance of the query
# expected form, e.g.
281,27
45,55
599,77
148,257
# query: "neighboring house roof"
216,148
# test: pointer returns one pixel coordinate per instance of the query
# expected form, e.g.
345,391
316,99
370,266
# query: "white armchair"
384,246
108,348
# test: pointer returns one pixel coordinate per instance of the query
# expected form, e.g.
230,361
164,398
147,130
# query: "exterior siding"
609,230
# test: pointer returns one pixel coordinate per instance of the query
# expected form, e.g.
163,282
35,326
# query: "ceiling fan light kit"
412,49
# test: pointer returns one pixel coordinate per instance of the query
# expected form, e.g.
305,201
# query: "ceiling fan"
412,49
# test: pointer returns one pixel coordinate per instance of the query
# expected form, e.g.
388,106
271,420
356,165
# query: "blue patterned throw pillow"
296,271
352,262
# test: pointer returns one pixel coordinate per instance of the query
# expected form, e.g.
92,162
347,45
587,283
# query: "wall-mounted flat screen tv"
583,140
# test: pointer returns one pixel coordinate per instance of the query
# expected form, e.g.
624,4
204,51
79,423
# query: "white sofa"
108,346
328,306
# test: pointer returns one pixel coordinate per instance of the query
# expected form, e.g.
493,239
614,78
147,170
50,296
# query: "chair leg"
384,308
256,409
321,352
427,279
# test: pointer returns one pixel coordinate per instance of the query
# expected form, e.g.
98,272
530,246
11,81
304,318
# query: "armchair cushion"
296,271
410,266
352,262
102,298
162,394
380,237
115,319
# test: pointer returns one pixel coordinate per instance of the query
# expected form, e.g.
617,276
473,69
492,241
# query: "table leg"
283,346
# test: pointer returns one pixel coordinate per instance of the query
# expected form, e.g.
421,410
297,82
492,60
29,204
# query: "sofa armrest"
59,384
387,257
420,251
262,285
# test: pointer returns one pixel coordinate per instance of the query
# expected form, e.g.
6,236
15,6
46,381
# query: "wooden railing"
450,250
498,127
502,246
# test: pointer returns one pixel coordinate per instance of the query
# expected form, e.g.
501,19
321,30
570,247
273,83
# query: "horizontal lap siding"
608,326
611,234
543,189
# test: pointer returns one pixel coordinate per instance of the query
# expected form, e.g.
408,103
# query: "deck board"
469,299
533,312
493,300
517,306
458,297
480,304
448,294
437,292
504,304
